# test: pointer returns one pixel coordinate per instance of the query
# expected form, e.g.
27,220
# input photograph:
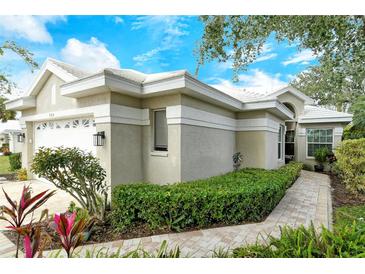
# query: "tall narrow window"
160,130
280,142
317,138
53,95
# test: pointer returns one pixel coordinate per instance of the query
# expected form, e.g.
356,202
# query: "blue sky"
145,43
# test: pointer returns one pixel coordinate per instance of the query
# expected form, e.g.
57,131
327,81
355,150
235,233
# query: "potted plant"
320,155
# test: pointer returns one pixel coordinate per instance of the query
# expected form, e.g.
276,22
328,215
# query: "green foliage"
162,252
81,213
346,215
338,42
245,195
346,242
5,114
76,172
356,130
15,161
350,156
358,108
22,174
320,155
351,132
7,85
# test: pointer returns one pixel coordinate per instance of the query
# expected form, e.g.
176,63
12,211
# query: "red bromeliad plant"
71,233
17,212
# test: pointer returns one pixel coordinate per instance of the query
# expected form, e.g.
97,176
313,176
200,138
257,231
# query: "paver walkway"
308,200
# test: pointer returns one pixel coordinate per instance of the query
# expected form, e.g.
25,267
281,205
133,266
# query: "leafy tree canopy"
6,85
337,41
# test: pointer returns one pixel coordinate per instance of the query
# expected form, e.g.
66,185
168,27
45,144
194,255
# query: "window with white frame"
280,141
160,130
317,138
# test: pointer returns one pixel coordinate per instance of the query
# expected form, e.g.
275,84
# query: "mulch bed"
341,196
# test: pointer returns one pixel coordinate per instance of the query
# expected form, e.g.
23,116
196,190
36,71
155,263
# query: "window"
160,130
53,95
317,138
280,142
289,142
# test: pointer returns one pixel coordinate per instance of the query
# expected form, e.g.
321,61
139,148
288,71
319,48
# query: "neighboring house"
9,135
169,127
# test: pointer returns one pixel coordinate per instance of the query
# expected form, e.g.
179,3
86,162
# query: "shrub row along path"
308,200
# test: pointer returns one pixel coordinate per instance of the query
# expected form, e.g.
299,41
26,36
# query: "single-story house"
9,132
169,127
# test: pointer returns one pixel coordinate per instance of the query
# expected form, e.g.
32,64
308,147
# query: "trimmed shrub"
346,242
22,174
15,161
246,195
77,172
351,164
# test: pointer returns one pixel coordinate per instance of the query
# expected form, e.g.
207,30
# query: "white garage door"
77,132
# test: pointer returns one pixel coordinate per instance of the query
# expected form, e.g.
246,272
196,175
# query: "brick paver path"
308,200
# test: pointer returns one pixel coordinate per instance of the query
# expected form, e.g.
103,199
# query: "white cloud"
32,28
118,20
90,56
255,80
303,57
167,31
265,57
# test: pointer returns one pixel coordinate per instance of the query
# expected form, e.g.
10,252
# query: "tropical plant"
320,155
237,160
18,211
338,43
162,252
71,232
76,172
344,242
350,163
15,161
22,174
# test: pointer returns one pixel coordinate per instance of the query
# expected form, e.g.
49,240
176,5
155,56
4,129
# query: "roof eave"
21,103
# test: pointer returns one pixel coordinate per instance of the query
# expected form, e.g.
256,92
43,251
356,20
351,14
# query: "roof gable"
64,71
289,89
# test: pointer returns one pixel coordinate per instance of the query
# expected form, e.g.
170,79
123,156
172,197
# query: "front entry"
289,146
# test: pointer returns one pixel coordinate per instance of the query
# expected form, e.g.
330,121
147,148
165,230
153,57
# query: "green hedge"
15,161
350,156
248,195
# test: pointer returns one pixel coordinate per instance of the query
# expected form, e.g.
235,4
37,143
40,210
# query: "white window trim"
160,153
306,140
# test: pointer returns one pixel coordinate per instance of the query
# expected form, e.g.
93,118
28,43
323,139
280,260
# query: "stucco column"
28,147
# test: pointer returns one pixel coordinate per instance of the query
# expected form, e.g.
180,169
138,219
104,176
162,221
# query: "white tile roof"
312,112
10,126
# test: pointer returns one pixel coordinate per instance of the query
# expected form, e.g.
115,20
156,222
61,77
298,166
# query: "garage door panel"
68,133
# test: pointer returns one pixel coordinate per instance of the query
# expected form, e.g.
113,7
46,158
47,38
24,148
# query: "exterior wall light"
99,138
21,137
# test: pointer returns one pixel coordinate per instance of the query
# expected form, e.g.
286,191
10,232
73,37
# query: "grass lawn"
4,165
346,215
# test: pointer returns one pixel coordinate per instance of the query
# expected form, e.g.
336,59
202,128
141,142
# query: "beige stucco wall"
161,167
201,105
302,144
126,153
297,103
205,152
